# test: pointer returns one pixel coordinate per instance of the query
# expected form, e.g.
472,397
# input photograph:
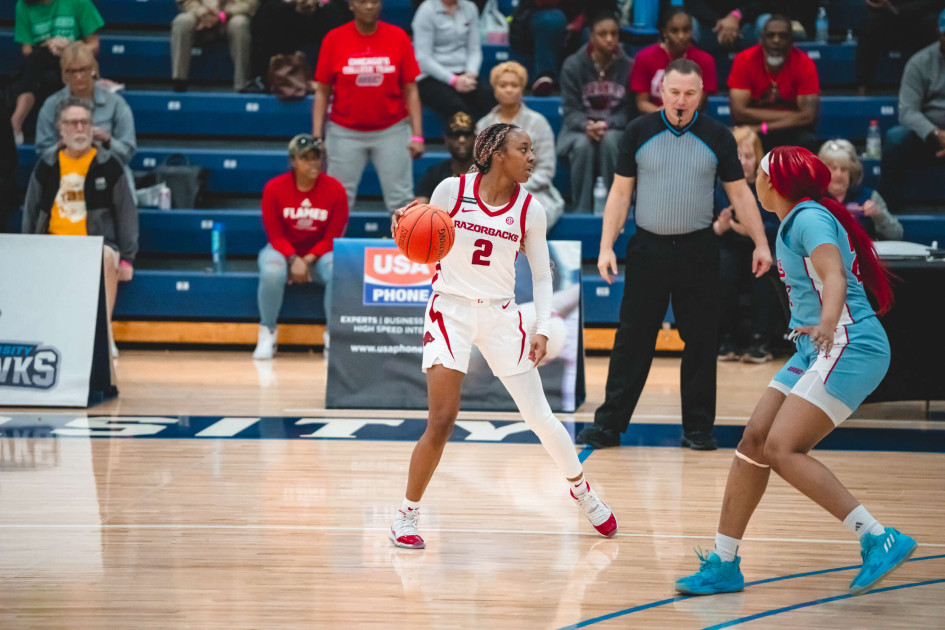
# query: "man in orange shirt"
81,190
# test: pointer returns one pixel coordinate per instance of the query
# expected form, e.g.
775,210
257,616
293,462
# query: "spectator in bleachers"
446,40
736,247
724,24
509,80
646,80
460,136
8,162
775,89
81,190
367,69
597,106
903,25
846,186
112,120
545,29
920,136
44,28
205,21
303,211
282,27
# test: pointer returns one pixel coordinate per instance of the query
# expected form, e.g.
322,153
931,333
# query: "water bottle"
218,247
600,197
820,26
851,38
874,141
164,197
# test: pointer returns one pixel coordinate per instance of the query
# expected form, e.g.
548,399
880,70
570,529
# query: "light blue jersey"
859,358
806,227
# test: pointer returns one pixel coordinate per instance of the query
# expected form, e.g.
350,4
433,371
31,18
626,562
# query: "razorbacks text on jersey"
481,264
806,227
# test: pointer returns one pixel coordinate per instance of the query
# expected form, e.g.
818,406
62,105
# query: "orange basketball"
425,234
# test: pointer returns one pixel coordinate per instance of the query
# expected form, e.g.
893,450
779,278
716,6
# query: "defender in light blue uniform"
842,355
858,361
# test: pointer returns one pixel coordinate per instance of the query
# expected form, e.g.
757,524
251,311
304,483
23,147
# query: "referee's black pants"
684,268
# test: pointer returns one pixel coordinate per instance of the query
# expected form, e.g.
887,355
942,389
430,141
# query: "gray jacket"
587,94
922,92
110,112
446,45
110,207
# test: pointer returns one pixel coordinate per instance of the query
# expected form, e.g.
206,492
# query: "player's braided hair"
490,140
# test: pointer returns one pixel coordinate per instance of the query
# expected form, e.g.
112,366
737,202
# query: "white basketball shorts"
453,325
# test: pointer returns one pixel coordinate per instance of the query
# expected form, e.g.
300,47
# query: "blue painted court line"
816,602
26,425
585,453
663,602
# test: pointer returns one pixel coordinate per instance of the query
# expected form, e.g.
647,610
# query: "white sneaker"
596,512
403,532
112,348
267,343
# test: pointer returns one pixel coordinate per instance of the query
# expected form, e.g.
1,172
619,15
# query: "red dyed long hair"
796,174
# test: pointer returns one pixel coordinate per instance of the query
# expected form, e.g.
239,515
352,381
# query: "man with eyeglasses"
303,211
113,124
775,89
82,190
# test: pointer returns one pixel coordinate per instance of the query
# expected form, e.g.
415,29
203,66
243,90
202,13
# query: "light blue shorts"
855,366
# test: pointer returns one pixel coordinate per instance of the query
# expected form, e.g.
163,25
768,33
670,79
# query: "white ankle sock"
726,547
410,505
578,487
861,522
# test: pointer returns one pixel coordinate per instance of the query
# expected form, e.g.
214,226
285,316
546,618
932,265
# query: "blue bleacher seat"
156,13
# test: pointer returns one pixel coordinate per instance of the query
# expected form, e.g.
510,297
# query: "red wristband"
737,14
222,17
125,263
453,80
764,128
417,139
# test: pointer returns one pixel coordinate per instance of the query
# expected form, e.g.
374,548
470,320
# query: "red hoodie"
303,223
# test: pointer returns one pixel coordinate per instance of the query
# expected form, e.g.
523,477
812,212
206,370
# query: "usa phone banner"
378,304
51,311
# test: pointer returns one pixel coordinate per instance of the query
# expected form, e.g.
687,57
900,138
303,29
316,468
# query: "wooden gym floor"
193,528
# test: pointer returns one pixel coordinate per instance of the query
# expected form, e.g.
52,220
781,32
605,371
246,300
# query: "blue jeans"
548,31
273,275
902,149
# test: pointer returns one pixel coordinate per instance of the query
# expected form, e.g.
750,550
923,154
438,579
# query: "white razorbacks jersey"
481,264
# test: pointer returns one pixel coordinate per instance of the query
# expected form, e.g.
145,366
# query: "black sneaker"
727,349
700,441
179,85
596,436
254,86
758,351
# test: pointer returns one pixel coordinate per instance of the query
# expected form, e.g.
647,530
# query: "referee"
673,157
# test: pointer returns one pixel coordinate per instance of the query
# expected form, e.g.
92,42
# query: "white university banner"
49,294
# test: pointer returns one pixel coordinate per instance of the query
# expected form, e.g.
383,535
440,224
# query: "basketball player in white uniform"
473,303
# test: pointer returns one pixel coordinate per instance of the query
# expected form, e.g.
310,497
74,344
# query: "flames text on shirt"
482,229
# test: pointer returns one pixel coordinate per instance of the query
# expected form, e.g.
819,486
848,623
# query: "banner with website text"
376,331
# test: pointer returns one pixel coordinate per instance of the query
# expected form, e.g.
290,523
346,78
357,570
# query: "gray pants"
348,153
184,31
587,160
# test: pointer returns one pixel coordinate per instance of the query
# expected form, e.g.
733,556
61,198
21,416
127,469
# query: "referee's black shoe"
700,441
597,436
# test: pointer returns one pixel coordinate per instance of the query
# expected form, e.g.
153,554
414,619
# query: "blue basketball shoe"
714,576
881,555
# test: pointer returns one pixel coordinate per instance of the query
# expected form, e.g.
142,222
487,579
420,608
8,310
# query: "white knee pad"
529,397
744,457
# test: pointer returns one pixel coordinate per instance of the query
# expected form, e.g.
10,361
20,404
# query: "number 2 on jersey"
482,253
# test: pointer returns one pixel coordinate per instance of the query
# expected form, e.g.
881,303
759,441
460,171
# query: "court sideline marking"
663,602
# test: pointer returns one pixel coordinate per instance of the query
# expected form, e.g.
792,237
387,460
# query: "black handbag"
187,181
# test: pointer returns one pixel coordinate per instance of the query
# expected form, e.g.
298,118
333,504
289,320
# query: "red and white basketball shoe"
596,512
403,531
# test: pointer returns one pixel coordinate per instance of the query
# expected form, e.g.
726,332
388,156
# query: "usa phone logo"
391,279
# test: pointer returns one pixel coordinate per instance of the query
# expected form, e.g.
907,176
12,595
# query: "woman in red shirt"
367,69
303,211
646,80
